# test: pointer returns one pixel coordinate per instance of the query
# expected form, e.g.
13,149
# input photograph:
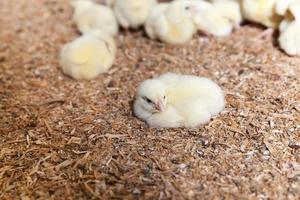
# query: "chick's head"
152,97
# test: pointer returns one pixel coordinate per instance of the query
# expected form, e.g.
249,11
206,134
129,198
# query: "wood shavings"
66,139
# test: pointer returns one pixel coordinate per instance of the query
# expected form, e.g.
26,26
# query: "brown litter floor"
66,139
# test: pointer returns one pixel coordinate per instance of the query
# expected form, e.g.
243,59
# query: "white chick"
289,39
174,100
132,13
261,11
90,16
89,55
172,22
210,21
230,9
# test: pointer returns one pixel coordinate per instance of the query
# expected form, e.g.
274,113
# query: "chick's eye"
164,97
147,100
187,8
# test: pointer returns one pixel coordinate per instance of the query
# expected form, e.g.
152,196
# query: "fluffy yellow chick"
90,16
289,39
174,100
172,22
89,55
132,13
261,11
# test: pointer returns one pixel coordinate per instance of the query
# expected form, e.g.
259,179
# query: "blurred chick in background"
90,16
132,13
172,22
174,100
217,17
210,21
261,11
289,39
88,56
230,9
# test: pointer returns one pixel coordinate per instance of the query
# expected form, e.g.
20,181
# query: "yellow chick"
131,13
172,22
88,56
289,39
89,16
175,100
261,11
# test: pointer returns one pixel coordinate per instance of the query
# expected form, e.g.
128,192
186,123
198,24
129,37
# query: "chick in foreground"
132,13
91,16
261,11
88,56
174,100
289,39
172,22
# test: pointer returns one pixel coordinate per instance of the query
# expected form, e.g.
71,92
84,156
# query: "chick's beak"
160,106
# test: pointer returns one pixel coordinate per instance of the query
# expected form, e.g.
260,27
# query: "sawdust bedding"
66,139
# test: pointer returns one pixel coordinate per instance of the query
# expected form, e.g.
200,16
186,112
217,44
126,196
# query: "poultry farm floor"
67,139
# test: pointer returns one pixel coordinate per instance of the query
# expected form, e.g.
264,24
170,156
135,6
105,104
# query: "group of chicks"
171,100
173,22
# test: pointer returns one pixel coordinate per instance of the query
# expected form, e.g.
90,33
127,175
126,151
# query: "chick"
261,11
289,39
211,18
88,55
210,21
89,16
230,9
156,13
132,13
174,100
172,22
